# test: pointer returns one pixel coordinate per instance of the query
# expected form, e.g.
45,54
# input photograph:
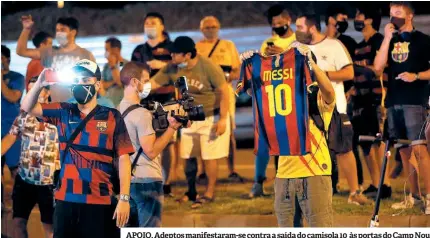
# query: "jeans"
146,204
309,197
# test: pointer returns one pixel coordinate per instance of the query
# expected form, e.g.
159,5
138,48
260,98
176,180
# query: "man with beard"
58,58
333,58
84,189
223,53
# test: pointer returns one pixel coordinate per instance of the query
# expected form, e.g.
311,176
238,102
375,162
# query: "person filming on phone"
92,137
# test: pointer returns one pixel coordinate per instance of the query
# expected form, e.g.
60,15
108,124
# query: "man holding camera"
91,138
147,181
209,138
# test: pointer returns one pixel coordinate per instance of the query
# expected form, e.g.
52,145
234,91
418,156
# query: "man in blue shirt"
12,86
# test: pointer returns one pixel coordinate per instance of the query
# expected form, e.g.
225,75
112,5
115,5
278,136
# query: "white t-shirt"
332,55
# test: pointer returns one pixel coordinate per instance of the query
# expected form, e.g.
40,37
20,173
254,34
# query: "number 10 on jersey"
279,99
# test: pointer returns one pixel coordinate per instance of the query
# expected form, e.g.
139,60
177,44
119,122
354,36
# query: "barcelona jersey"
87,168
278,86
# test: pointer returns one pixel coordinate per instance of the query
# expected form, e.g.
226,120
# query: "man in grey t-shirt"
146,188
59,58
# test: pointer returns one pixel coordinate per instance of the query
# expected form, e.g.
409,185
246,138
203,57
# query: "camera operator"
58,58
84,188
209,138
405,52
147,182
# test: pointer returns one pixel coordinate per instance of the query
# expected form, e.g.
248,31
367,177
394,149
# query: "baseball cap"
183,44
87,68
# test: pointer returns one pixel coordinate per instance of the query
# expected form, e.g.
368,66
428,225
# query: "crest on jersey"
102,126
400,52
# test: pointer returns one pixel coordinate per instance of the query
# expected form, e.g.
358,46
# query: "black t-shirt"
144,53
350,45
408,52
367,85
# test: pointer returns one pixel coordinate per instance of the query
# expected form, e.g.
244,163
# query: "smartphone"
270,43
51,76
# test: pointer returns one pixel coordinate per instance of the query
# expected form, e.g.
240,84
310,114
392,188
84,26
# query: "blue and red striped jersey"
87,169
278,86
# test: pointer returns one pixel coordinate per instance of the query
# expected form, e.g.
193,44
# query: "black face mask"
341,26
280,31
398,22
359,25
304,37
83,93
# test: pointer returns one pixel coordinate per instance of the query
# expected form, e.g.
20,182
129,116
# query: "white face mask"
183,65
146,90
61,38
106,54
151,32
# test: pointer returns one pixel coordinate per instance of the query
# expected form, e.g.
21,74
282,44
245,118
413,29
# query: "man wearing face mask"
404,51
210,138
367,117
333,58
155,53
111,71
280,21
30,190
58,58
147,181
223,53
84,190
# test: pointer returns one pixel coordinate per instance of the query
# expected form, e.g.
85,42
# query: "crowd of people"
88,148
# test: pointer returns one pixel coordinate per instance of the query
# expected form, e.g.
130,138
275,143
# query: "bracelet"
417,76
124,197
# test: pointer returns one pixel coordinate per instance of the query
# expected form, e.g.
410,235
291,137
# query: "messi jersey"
280,106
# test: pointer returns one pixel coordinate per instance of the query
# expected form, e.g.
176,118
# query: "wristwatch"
417,76
124,197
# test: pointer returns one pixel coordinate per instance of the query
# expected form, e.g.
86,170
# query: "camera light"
66,76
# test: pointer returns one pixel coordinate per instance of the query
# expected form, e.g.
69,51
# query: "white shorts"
200,140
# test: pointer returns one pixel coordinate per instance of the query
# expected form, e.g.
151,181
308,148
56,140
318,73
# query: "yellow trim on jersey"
317,162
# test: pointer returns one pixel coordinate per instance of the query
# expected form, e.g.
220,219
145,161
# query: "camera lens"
196,113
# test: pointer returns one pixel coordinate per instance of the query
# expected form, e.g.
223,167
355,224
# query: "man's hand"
42,79
156,64
27,22
273,50
389,30
173,123
407,77
247,54
122,213
351,92
220,127
305,51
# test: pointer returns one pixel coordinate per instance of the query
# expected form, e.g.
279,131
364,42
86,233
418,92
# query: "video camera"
192,112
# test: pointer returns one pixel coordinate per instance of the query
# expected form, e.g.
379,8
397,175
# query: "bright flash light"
60,4
66,76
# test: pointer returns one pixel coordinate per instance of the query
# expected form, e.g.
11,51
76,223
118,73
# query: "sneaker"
257,190
386,191
235,178
409,202
358,199
427,204
371,191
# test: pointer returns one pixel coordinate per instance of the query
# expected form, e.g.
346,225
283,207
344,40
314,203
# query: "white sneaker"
427,204
409,202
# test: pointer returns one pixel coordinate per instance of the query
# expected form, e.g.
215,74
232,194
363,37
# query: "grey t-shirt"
58,60
203,79
139,123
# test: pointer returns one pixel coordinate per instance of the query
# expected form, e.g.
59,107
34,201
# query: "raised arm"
21,46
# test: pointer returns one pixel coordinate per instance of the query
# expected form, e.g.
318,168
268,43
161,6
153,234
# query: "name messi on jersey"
278,74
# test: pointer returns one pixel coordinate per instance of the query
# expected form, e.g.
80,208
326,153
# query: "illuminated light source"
60,4
66,76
